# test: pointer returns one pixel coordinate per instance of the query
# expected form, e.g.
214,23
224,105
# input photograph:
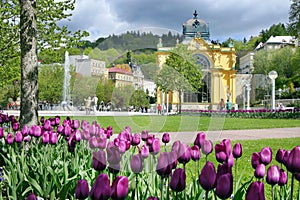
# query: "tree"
187,74
139,99
104,90
294,18
26,26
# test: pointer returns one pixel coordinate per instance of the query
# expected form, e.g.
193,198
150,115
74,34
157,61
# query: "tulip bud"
18,137
37,131
9,138
224,187
199,139
273,175
280,155
184,153
163,166
293,162
178,179
113,155
53,138
47,125
237,150
260,171
101,188
57,120
136,163
144,151
136,139
220,153
208,176
119,188
144,135
175,146
283,178
27,138
1,133
195,153
99,160
15,126
75,124
286,157
207,147
266,155
255,191
32,197
82,189
155,147
45,137
255,160
25,130
166,138
150,140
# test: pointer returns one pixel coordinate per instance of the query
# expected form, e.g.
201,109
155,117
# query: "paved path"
252,134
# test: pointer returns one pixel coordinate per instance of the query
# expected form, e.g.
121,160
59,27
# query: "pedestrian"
222,104
88,103
228,105
95,103
159,108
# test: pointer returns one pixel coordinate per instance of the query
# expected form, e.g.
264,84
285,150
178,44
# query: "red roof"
118,70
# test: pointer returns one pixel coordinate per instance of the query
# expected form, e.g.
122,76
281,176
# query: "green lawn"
188,123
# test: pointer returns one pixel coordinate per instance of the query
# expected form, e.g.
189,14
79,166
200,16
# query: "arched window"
203,61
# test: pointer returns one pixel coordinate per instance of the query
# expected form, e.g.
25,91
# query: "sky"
226,18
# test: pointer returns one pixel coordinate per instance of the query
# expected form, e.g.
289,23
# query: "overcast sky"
227,18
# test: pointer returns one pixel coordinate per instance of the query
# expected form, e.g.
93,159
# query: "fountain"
66,87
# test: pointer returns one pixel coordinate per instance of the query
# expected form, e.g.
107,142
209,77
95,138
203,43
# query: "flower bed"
66,159
259,113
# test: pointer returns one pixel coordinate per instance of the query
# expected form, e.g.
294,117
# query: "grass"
181,123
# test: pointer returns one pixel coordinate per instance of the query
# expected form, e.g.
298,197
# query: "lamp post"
273,75
248,88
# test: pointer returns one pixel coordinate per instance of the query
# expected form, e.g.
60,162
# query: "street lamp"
248,88
273,75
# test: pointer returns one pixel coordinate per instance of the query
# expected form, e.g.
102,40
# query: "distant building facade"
218,64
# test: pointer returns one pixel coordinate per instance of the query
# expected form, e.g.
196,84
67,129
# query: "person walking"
222,104
88,103
228,105
159,108
95,103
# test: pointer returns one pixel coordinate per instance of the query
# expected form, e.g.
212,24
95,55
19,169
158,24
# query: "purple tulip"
144,151
45,137
166,138
173,159
237,150
77,135
27,138
119,188
208,176
121,144
1,132
155,146
200,139
273,175
32,197
53,138
150,139
283,178
57,120
175,146
286,157
195,153
114,168
266,155
15,126
223,169
255,191
136,163
47,125
178,179
101,188
9,139
220,153
144,135
293,162
136,139
18,137
99,160
184,153
82,189
113,155
25,130
260,171
280,155
37,131
224,187
75,124
255,160
207,147
163,166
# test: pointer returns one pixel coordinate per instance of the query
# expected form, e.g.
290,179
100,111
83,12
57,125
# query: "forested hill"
134,41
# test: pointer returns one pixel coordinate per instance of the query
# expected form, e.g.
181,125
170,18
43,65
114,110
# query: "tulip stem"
136,185
273,192
292,185
162,188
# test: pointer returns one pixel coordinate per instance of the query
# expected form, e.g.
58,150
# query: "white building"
150,86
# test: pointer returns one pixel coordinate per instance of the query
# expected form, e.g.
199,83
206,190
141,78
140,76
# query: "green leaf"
35,185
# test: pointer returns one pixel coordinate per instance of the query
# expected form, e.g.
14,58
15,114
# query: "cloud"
226,18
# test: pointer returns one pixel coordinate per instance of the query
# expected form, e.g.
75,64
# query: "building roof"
280,40
119,70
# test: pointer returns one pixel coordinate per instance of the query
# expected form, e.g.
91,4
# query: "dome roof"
195,27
